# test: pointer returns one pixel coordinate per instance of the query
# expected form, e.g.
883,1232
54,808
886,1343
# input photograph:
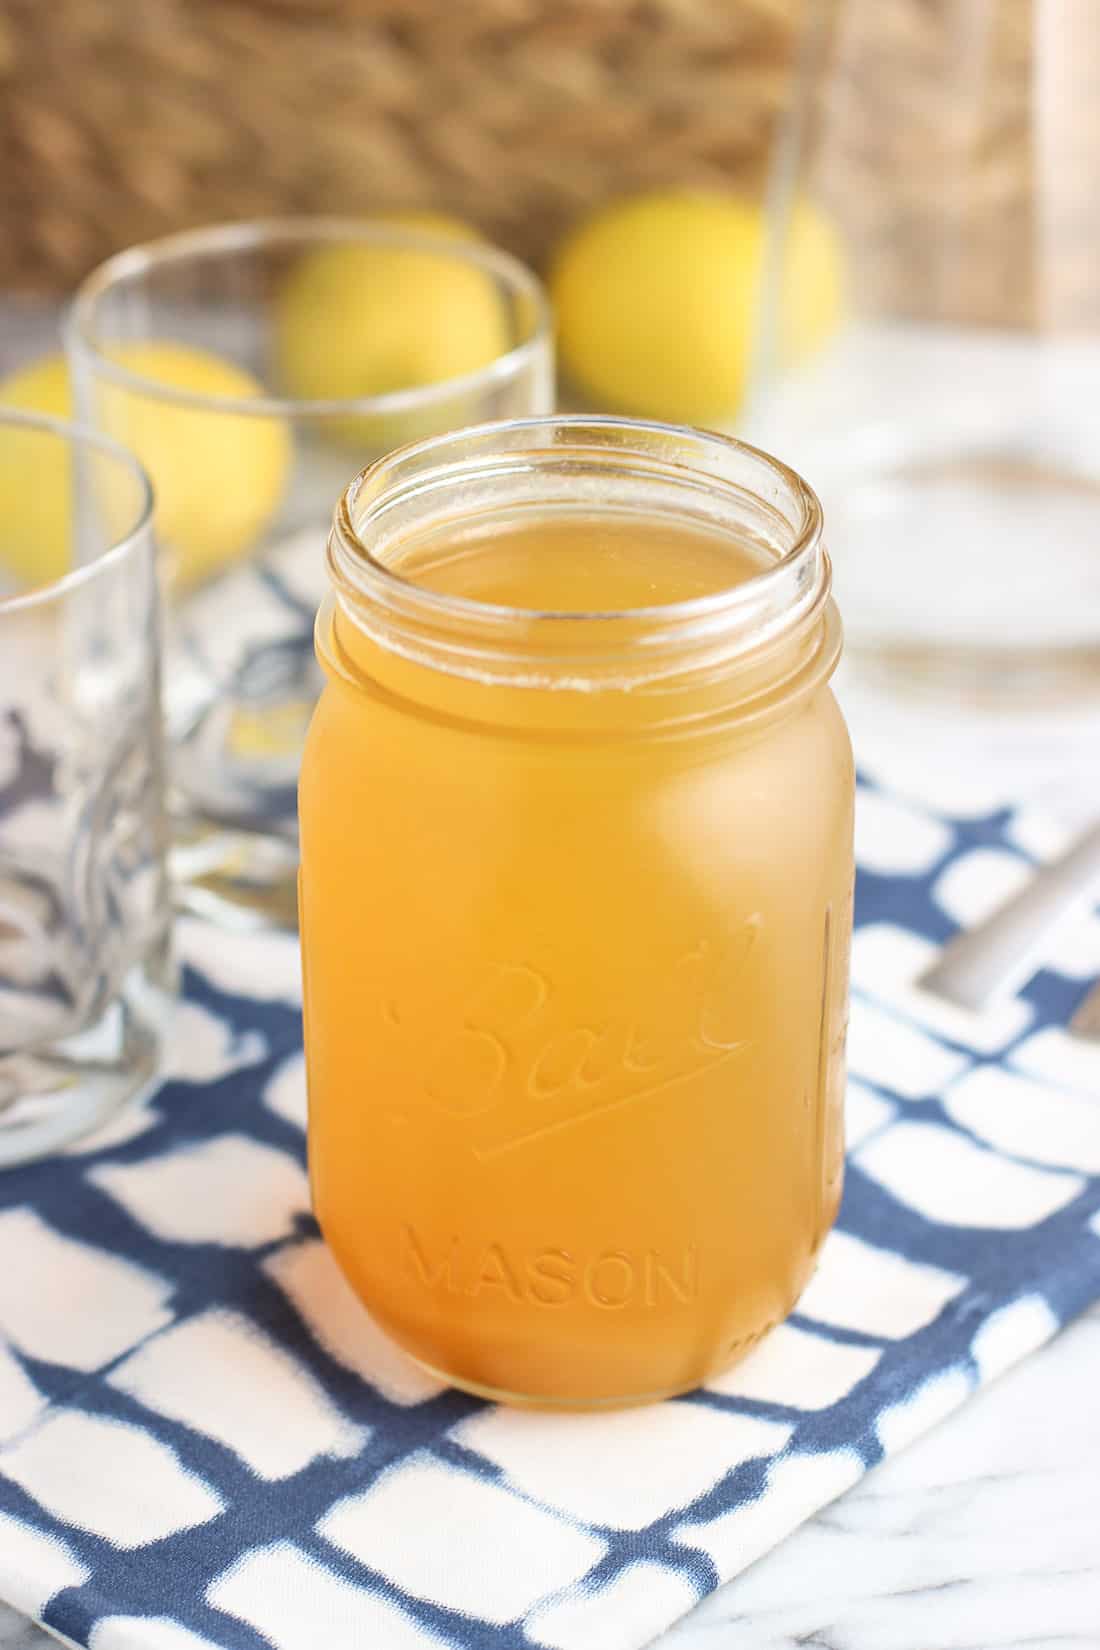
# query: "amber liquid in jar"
576,984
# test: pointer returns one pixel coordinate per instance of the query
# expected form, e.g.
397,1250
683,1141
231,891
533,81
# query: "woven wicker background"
122,119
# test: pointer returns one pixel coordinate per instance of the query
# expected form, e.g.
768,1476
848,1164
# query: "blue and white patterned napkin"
204,1441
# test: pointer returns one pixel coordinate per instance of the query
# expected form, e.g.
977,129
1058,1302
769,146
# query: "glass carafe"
951,423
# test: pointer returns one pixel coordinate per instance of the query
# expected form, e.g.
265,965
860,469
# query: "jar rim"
742,617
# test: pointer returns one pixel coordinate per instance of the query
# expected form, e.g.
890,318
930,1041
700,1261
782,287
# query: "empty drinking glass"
86,976
254,368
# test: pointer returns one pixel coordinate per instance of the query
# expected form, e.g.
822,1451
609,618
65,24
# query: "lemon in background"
362,319
656,296
813,284
218,476
35,502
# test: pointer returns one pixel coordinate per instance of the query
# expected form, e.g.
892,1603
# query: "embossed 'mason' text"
608,1279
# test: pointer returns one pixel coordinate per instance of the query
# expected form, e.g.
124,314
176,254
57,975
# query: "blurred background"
121,121
864,233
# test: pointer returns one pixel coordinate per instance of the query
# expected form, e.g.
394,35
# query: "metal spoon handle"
1086,1018
1001,953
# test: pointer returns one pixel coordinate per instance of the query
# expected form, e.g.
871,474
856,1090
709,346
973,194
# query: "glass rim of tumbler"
120,546
254,235
477,637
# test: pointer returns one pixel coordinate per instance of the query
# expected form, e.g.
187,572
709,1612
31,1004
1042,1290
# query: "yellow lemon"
35,501
656,298
363,320
813,284
218,477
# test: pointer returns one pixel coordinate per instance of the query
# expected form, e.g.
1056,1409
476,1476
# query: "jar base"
571,1405
579,1405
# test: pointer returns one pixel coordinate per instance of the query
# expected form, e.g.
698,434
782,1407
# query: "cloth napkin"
205,1442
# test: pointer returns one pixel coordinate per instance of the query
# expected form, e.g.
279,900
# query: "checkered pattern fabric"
205,1442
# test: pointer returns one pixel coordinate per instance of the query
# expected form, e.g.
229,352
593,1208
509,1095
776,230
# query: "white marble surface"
984,1535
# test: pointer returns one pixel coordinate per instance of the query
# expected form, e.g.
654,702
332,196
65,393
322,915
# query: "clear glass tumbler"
253,368
951,424
86,977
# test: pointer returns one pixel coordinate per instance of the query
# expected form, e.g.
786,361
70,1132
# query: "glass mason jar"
576,906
